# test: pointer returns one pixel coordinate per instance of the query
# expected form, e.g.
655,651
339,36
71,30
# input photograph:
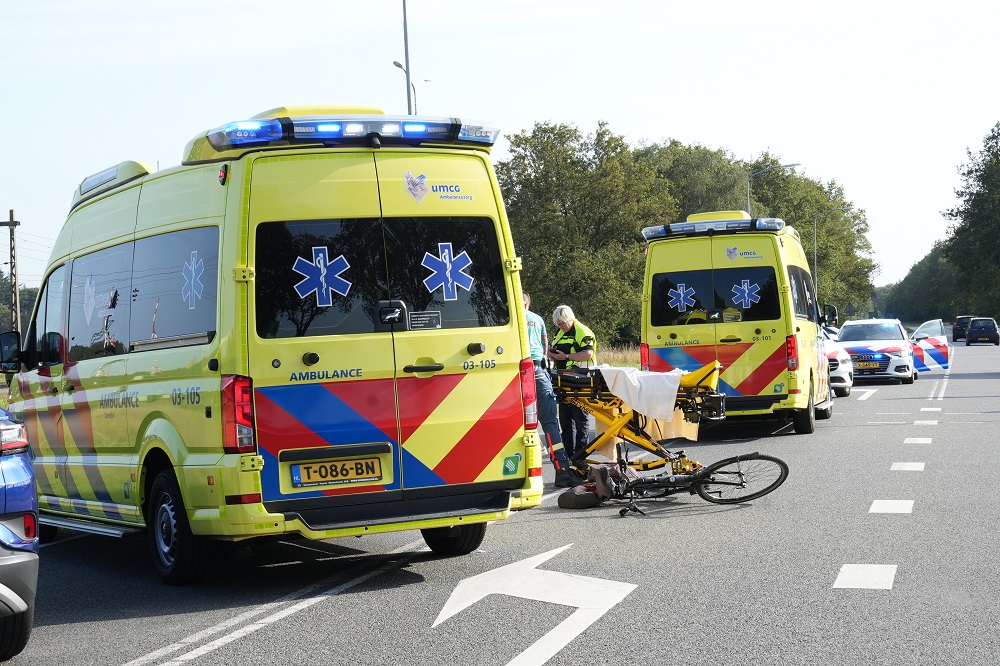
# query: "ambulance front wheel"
452,541
179,556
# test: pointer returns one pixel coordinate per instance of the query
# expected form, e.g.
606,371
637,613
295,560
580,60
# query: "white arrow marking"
867,393
592,597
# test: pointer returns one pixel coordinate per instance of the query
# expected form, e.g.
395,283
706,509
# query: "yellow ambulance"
725,286
313,326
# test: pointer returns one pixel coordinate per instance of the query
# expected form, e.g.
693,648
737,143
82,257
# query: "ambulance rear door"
322,368
681,331
750,329
457,344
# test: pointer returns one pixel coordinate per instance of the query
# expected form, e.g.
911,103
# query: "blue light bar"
349,128
712,226
245,133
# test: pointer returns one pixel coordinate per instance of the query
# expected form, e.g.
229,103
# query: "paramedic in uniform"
545,398
573,346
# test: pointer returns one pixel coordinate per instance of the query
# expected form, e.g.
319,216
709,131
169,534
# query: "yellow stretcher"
697,399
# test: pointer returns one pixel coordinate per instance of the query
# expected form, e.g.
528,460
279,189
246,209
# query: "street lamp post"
406,69
815,264
760,171
413,87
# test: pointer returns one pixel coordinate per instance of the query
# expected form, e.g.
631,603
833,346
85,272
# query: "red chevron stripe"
486,439
419,397
765,373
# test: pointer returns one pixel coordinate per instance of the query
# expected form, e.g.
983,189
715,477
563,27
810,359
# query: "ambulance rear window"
683,298
333,277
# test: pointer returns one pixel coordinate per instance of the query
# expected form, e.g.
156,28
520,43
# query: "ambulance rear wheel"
452,541
805,419
179,556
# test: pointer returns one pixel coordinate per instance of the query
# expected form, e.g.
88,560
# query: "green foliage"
577,205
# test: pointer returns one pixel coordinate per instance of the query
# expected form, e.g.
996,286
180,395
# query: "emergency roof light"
713,227
348,129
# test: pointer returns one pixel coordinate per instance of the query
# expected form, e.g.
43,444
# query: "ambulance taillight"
644,356
238,434
792,352
528,397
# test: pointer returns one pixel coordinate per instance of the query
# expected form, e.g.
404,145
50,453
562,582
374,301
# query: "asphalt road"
774,581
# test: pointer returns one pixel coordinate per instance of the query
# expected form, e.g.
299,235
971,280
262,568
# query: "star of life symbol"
681,297
448,271
322,277
746,293
416,186
193,287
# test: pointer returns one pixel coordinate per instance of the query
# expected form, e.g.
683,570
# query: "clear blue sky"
883,96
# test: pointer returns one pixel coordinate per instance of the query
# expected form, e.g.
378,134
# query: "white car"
879,348
841,366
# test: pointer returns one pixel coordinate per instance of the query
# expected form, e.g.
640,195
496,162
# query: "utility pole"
15,294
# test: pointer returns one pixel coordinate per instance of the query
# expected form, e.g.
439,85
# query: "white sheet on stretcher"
649,393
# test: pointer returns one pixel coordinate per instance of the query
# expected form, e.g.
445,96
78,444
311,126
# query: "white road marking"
866,576
867,393
906,467
189,642
887,423
891,506
591,597
930,409
917,440
933,390
925,423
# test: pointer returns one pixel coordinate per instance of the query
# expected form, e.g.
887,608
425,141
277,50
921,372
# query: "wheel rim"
165,530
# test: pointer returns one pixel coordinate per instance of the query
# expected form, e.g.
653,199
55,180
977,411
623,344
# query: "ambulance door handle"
436,367
68,387
731,339
54,390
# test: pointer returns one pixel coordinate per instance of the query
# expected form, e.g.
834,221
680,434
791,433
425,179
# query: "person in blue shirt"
546,399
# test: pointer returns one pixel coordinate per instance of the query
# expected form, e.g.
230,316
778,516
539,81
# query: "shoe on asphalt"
567,479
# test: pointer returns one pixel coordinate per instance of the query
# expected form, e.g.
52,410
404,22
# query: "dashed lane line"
866,577
907,467
891,506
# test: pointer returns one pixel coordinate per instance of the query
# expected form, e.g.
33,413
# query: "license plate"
983,340
866,364
336,471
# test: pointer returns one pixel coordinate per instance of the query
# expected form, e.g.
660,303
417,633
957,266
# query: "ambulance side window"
175,284
318,277
447,268
49,319
802,294
682,298
99,303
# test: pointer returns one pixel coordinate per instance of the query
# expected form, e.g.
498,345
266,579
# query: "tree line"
960,273
577,205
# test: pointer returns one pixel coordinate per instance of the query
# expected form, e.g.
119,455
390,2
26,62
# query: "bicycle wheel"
741,478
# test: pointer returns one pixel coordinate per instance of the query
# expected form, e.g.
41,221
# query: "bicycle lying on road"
728,481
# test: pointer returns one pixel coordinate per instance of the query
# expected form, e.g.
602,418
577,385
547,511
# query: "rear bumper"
18,581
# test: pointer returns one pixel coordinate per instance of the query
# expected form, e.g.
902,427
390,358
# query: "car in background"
982,329
961,325
18,538
880,349
841,366
832,331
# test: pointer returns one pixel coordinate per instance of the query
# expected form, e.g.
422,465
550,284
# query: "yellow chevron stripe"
456,414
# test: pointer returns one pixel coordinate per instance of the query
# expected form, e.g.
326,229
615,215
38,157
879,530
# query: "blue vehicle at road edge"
18,538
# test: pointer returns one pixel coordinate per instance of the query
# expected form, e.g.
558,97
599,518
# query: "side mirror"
10,352
831,316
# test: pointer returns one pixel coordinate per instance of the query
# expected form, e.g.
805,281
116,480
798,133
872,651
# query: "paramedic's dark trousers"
575,430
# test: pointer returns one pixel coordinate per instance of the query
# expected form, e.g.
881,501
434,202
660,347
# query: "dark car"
18,538
960,327
982,329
